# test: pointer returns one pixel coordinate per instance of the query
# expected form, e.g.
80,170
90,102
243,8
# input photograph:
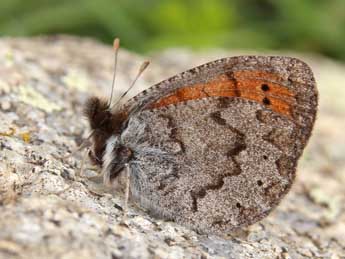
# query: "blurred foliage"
143,25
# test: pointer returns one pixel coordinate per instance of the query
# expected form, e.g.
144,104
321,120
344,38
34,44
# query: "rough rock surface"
49,210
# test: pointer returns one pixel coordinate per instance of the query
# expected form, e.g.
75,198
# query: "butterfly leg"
127,182
80,173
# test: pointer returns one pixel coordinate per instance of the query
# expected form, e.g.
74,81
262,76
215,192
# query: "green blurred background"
145,25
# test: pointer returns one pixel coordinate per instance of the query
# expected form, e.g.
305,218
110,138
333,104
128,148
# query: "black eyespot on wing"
265,87
266,101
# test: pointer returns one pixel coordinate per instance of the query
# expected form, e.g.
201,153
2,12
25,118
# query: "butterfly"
214,148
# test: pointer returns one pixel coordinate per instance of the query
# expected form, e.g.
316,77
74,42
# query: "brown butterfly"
214,148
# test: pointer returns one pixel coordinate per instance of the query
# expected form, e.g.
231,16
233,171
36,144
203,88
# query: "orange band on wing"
252,85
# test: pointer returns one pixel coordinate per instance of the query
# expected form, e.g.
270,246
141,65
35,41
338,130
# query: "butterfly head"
102,125
106,123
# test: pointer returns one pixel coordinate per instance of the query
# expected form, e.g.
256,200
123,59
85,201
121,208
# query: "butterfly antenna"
142,68
116,46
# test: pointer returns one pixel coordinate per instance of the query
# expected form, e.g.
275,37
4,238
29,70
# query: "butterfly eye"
259,182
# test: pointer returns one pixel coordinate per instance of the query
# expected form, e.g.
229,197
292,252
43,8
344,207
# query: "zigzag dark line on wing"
240,145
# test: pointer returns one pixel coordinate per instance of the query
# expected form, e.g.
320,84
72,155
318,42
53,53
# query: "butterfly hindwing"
210,163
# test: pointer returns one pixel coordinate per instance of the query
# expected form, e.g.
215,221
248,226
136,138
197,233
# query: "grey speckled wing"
211,164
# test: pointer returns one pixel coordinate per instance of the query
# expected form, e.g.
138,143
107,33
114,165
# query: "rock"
47,210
